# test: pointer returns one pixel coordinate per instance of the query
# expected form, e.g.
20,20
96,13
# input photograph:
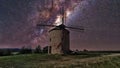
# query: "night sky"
100,18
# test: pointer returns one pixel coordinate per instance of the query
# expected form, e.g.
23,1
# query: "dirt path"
117,54
85,62
88,60
99,59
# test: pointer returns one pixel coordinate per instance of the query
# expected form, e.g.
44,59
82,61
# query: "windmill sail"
61,26
75,28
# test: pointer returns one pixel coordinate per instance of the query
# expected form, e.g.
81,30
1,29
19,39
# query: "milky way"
100,18
19,19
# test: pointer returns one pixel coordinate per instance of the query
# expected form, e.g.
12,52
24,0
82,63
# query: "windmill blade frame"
46,25
75,28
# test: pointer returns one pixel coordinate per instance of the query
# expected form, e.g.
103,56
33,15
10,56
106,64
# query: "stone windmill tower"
59,40
59,36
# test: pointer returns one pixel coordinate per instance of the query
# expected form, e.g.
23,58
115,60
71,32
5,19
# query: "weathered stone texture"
59,41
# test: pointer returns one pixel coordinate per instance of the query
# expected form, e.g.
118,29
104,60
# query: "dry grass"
59,61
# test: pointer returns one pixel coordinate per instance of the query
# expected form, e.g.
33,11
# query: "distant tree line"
23,50
5,52
38,49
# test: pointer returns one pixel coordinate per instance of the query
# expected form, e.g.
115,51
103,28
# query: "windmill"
59,35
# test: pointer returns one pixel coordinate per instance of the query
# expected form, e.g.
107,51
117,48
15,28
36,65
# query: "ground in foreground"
59,61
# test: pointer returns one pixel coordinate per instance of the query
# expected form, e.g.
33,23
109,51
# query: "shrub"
25,50
5,52
38,49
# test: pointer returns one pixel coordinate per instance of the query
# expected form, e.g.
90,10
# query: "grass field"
59,61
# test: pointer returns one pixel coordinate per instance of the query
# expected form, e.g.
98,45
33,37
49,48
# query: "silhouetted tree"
25,50
38,49
5,52
85,50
